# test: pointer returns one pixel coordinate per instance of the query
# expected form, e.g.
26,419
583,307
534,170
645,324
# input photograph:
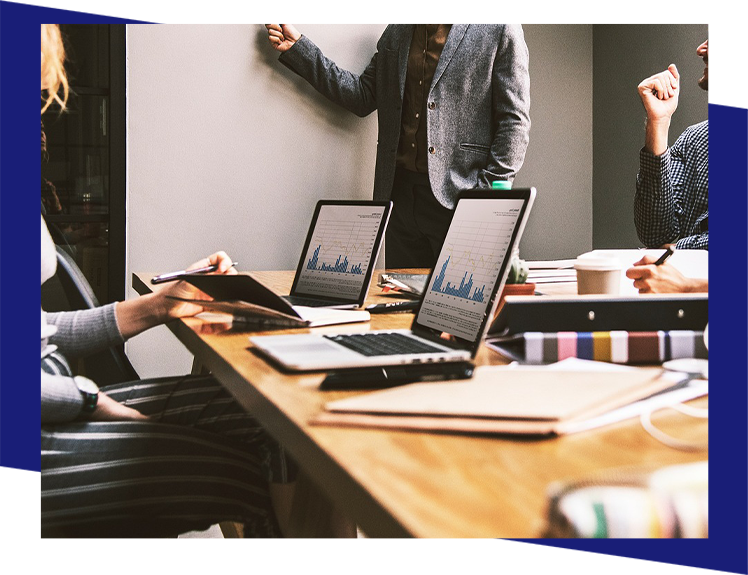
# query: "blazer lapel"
456,34
406,37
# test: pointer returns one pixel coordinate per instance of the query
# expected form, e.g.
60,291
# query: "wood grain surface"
398,483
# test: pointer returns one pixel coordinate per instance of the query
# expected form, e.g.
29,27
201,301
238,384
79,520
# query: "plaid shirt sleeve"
671,204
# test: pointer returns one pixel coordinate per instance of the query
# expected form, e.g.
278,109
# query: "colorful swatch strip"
631,347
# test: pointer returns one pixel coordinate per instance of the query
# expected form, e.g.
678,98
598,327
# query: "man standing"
672,189
453,114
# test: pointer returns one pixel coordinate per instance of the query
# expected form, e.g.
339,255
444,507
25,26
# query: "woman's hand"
108,409
134,316
182,289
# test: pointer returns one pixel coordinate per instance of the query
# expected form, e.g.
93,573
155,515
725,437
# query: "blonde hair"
53,70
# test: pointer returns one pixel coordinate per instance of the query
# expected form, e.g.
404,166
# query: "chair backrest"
75,285
105,367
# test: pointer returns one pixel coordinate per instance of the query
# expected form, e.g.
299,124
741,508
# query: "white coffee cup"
598,274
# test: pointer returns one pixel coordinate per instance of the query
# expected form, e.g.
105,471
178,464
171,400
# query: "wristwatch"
89,392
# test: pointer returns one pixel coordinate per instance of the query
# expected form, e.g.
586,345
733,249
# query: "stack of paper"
551,271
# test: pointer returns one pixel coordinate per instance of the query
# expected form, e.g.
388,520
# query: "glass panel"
78,150
87,51
75,172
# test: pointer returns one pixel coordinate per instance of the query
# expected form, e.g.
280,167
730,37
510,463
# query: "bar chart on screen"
340,250
468,266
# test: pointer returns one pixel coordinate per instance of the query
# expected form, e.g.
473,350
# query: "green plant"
518,271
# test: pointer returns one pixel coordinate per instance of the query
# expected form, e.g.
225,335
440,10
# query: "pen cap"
501,185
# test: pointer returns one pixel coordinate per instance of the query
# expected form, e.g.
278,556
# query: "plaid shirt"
672,193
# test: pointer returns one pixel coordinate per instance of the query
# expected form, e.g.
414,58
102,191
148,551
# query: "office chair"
108,366
105,367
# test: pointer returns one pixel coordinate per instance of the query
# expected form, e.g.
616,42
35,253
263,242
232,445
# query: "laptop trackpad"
308,347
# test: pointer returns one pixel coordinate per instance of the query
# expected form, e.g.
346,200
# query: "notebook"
340,250
256,306
511,401
454,310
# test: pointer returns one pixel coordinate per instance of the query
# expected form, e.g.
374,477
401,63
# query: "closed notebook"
528,401
626,347
256,305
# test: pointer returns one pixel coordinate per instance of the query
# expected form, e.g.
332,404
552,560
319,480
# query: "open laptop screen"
341,249
472,264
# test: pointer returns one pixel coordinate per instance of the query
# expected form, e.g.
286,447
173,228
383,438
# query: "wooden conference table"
413,484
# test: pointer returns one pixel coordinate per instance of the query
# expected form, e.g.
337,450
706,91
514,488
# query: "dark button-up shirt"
425,49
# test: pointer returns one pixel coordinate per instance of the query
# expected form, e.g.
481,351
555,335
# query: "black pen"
393,375
393,306
174,276
664,257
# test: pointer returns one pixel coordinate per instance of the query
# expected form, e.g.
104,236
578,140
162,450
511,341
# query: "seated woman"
148,458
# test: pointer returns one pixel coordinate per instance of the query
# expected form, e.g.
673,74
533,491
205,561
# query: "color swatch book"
625,347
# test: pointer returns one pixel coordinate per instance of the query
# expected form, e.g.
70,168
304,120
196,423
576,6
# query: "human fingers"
674,71
639,272
643,286
646,260
290,32
108,409
275,34
660,87
646,86
665,85
220,259
223,261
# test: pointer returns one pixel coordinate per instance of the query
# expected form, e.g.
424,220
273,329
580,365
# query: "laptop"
454,311
339,254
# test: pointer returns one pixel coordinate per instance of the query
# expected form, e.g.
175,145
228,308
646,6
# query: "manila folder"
526,401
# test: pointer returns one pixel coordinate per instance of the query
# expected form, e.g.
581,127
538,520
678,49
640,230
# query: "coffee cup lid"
590,261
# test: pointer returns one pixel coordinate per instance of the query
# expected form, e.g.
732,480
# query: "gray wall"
623,56
559,156
227,149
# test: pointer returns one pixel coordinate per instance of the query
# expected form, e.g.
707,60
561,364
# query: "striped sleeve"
61,400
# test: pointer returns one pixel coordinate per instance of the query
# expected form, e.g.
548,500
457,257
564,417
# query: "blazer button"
432,105
432,150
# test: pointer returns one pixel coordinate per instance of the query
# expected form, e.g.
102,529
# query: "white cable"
646,422
700,412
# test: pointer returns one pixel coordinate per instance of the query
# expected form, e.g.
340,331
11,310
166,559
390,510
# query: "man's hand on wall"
282,36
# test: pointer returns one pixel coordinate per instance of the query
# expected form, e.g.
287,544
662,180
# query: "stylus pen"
664,257
174,276
390,376
393,306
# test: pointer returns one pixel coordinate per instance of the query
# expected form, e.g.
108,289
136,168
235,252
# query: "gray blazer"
478,104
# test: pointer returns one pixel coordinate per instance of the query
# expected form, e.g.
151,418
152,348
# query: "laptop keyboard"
306,301
373,344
